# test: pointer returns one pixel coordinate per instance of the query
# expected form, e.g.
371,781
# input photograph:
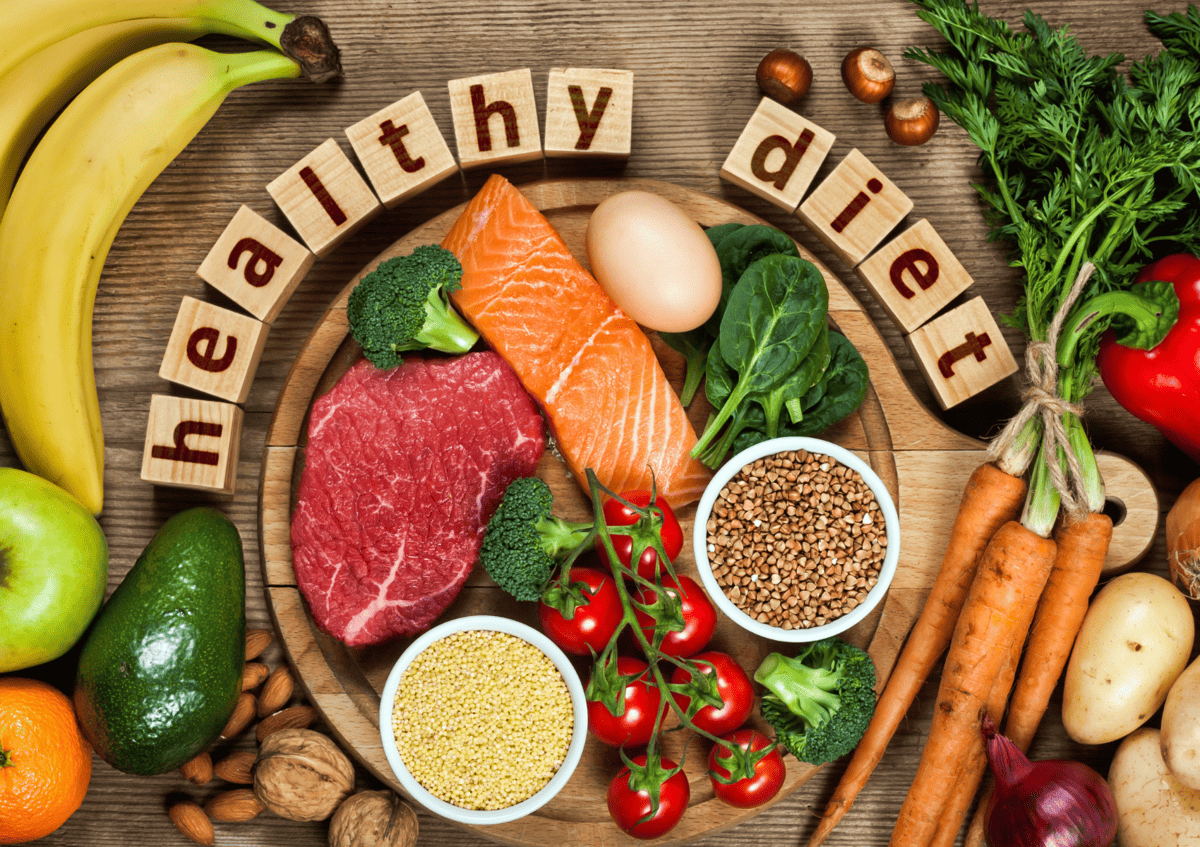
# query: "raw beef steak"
403,469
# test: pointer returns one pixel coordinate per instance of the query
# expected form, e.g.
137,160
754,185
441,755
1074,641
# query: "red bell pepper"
1162,385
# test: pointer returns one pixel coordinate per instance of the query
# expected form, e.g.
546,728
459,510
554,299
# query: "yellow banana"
76,189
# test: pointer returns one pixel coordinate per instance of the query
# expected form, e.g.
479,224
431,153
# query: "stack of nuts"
297,773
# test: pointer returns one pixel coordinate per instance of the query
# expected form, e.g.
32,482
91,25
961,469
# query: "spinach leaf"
738,250
846,383
790,393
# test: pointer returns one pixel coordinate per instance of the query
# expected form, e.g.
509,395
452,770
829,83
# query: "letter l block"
777,155
192,443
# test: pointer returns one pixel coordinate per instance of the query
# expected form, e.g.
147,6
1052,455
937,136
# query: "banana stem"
257,66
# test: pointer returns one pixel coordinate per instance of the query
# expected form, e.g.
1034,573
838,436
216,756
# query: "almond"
237,767
257,640
276,691
192,822
294,717
243,713
254,674
234,806
198,770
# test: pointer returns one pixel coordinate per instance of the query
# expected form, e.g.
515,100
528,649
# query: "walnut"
373,819
301,775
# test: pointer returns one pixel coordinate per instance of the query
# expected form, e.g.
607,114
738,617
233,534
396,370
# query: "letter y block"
589,112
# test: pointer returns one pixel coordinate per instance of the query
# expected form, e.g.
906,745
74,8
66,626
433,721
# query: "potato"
1134,642
1181,727
1153,808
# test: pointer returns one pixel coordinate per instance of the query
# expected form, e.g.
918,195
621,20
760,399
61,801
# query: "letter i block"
962,352
213,350
589,112
402,150
777,155
256,265
914,275
324,197
854,208
192,443
495,118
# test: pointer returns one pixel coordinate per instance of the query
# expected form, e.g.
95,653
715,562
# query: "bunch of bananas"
135,93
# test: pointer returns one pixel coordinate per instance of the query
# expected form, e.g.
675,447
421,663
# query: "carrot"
990,499
998,611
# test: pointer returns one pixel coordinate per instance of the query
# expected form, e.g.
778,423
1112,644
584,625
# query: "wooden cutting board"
923,462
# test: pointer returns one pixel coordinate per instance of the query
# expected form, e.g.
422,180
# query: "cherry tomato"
751,791
629,804
699,617
642,698
617,513
594,623
733,686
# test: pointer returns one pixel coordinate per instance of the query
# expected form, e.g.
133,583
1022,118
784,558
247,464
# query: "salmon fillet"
589,366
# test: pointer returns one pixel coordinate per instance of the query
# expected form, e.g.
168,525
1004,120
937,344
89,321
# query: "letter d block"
589,112
495,118
192,443
256,265
213,350
961,353
777,155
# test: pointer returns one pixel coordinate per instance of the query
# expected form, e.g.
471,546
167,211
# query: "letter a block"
192,443
854,208
213,350
962,352
777,155
914,275
256,265
324,197
495,118
402,150
589,112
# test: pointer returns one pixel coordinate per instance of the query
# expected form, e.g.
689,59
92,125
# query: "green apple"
53,570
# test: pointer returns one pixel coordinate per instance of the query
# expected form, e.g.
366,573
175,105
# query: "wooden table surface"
694,68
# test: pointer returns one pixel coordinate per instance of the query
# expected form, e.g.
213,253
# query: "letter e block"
256,264
962,352
402,150
495,118
213,350
777,155
324,197
589,112
914,275
192,443
854,208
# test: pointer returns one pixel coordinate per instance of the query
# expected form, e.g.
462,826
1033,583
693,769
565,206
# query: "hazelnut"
868,74
784,75
301,775
912,122
373,819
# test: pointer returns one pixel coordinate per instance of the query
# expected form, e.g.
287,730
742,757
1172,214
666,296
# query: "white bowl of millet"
796,539
483,719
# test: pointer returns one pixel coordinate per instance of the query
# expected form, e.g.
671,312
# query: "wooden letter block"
256,264
962,352
213,350
914,275
854,208
589,112
495,118
402,150
777,155
192,443
324,197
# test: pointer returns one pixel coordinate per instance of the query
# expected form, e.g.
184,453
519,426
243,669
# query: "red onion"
1052,803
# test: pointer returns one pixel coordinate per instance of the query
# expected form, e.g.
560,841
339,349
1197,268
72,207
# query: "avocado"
160,670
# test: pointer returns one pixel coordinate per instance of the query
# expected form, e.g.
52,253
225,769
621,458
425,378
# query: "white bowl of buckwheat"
796,539
483,719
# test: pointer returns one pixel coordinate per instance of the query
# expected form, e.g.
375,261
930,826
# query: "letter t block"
777,155
192,443
961,353
495,118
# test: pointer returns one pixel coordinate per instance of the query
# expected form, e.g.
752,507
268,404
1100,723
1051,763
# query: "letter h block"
213,350
777,155
495,119
192,443
256,265
961,353
589,112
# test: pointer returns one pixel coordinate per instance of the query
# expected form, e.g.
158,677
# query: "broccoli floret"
403,304
820,702
524,543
